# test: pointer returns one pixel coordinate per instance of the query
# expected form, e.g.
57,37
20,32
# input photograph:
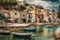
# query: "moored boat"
30,29
5,32
22,34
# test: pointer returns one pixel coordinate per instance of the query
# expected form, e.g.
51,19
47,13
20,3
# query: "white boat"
6,32
22,34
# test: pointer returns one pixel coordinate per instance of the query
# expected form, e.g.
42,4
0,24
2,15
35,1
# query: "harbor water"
45,33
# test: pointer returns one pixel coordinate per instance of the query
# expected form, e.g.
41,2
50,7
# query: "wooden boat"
5,32
22,35
30,29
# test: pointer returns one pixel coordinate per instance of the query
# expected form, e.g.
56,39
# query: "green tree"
22,7
39,7
59,12
14,3
53,10
26,4
3,18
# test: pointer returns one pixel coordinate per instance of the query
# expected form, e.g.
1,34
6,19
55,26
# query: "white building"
30,17
23,17
45,14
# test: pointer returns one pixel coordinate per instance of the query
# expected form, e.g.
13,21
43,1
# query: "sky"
47,4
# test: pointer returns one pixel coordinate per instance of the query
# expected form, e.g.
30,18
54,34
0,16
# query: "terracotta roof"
14,11
37,16
4,11
55,14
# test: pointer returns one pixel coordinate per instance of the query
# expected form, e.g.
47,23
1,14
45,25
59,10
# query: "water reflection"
49,30
45,32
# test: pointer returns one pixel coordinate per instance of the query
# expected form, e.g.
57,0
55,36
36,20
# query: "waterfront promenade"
27,24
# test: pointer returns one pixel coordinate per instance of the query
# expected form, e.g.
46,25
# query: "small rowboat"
22,35
5,32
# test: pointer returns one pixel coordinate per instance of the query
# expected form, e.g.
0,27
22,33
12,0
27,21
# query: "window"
8,21
15,13
23,15
16,20
30,16
29,21
24,20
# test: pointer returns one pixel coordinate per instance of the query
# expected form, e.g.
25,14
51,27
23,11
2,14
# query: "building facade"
26,17
31,18
12,15
23,17
15,16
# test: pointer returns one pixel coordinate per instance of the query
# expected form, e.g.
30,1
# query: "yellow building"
12,15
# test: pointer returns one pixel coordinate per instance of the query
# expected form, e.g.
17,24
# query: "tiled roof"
5,11
55,14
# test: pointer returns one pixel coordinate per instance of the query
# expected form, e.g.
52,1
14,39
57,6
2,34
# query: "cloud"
42,3
45,4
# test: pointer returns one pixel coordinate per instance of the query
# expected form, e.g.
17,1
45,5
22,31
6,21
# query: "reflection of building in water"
47,31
